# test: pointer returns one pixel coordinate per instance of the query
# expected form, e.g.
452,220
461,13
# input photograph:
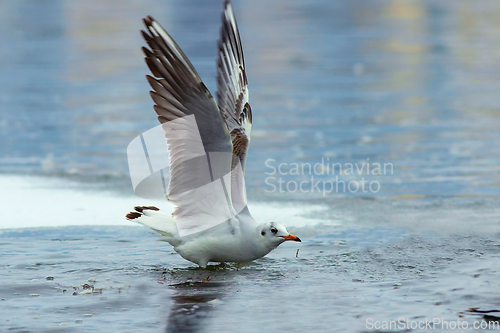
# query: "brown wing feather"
178,93
178,90
232,84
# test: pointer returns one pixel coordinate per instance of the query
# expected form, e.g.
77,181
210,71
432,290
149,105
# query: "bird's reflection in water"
193,302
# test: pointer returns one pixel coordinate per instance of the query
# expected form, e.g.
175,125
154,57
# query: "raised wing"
197,138
232,97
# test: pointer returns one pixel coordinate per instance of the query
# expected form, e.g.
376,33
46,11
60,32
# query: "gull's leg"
203,263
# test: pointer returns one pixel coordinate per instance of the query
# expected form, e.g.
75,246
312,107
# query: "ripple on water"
140,286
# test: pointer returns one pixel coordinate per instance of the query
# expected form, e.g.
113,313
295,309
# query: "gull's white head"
273,234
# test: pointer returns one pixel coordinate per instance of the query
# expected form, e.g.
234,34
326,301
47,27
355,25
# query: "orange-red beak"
292,238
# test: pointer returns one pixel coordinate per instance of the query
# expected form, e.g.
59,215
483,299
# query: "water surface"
410,84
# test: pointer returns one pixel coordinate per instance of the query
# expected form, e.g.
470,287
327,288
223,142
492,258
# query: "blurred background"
412,83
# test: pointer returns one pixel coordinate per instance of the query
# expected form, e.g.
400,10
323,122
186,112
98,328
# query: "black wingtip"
132,215
148,21
143,208
147,52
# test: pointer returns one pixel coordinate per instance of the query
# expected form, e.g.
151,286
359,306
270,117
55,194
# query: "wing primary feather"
164,91
194,128
232,94
163,103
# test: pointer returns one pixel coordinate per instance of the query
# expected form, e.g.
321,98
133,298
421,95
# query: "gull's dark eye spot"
263,233
274,230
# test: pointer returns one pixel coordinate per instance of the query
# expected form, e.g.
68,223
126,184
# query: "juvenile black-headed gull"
208,144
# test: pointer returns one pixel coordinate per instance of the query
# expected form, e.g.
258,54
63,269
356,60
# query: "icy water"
411,86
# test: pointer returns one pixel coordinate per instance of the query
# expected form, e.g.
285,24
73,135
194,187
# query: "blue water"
101,279
412,85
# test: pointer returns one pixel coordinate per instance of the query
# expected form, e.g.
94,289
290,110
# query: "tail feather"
155,219
132,216
143,208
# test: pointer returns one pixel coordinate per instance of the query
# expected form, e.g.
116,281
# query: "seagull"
207,143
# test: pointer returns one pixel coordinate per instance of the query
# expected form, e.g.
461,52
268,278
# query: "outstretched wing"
197,138
232,98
